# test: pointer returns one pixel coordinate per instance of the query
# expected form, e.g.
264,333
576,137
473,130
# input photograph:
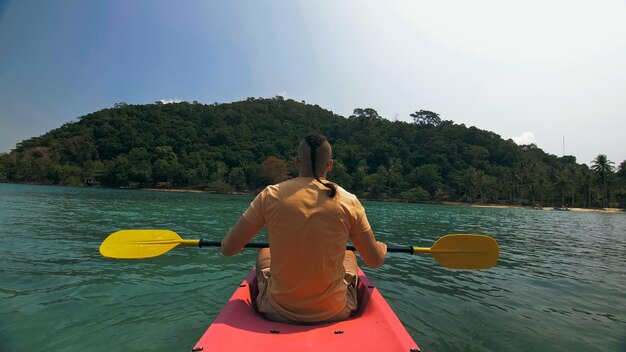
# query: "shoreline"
578,210
475,205
183,190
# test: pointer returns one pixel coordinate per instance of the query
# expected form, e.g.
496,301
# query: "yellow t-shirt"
308,232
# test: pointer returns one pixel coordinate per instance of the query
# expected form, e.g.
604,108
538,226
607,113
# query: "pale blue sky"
537,70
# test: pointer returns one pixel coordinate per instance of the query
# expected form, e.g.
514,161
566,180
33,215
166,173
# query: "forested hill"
245,145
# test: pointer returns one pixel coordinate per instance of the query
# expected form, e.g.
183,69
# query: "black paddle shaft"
205,243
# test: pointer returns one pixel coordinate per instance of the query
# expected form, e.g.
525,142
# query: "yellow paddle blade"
465,251
135,244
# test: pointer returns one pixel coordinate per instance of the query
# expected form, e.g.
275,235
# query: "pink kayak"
239,327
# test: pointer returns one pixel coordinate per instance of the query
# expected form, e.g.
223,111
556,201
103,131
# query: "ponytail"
314,141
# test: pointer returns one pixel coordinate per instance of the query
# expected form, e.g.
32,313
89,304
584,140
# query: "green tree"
415,195
375,184
237,178
475,155
426,118
198,176
604,168
395,178
426,177
563,185
69,175
365,117
140,169
621,170
620,193
167,168
367,113
586,187
93,171
358,178
116,172
340,175
4,167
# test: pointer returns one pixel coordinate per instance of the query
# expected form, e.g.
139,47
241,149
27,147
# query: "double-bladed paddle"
459,251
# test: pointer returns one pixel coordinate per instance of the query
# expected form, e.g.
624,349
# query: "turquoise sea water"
560,284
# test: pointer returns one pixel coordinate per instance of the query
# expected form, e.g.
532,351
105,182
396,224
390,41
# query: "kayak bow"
240,327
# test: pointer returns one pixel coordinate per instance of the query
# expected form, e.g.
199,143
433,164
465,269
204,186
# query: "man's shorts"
350,279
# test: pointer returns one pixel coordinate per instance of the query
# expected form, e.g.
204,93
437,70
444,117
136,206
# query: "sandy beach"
582,210
495,206
603,210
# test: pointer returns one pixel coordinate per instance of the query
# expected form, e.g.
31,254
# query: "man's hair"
314,141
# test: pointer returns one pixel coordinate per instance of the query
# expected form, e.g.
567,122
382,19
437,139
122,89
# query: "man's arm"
241,233
371,251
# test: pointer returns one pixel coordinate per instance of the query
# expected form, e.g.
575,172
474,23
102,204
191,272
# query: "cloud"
525,139
171,101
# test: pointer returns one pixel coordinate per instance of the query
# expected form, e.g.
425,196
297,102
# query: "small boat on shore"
561,208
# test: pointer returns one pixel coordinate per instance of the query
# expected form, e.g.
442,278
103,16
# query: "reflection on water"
559,284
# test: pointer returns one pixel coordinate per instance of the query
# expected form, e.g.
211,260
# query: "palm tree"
586,185
621,170
562,184
603,168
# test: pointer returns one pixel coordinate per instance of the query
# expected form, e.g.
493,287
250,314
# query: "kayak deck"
239,327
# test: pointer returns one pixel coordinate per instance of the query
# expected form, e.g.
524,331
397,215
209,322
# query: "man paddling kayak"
308,277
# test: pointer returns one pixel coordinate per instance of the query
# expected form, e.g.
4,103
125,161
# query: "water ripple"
558,286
